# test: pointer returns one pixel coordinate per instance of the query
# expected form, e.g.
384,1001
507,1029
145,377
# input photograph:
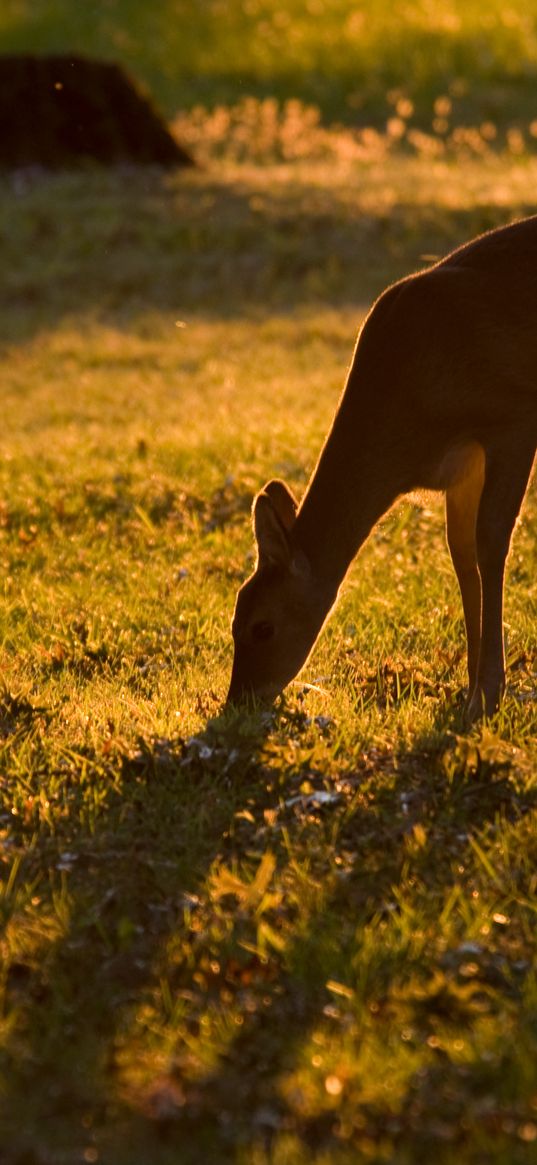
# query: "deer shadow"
63,1091
109,890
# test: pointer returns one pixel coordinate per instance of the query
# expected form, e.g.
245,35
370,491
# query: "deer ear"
283,501
274,514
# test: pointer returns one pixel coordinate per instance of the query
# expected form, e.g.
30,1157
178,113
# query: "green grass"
194,961
309,937
344,58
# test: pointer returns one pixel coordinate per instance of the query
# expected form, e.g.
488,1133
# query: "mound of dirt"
56,111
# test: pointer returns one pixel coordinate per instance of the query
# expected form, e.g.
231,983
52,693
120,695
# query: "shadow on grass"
136,836
245,1102
128,882
115,248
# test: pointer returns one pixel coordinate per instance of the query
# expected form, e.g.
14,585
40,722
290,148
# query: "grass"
347,60
229,939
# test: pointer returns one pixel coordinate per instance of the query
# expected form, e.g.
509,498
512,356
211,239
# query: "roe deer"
441,394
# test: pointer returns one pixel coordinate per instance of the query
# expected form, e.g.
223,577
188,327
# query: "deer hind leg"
507,471
463,495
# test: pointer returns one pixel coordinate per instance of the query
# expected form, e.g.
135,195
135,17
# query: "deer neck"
357,479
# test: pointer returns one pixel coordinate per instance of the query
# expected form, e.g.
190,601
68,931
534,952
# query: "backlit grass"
346,58
242,940
302,937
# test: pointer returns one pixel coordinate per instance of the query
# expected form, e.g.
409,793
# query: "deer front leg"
490,679
462,503
506,477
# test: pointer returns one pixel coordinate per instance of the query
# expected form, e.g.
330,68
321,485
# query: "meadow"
306,935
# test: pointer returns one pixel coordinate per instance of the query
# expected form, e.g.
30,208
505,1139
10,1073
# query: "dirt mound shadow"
56,111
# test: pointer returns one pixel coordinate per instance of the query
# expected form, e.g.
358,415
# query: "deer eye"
262,631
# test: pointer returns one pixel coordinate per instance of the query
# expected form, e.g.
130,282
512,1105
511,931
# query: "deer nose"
243,697
243,692
239,690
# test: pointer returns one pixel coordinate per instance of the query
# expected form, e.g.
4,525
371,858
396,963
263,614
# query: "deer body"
441,394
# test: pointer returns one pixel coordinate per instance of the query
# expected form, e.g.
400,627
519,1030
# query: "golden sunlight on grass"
304,937
267,131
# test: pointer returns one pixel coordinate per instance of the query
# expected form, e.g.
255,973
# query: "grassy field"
308,936
346,58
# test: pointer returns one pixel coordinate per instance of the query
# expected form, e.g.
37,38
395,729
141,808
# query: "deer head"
279,612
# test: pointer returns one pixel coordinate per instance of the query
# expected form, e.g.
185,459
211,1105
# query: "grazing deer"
442,395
